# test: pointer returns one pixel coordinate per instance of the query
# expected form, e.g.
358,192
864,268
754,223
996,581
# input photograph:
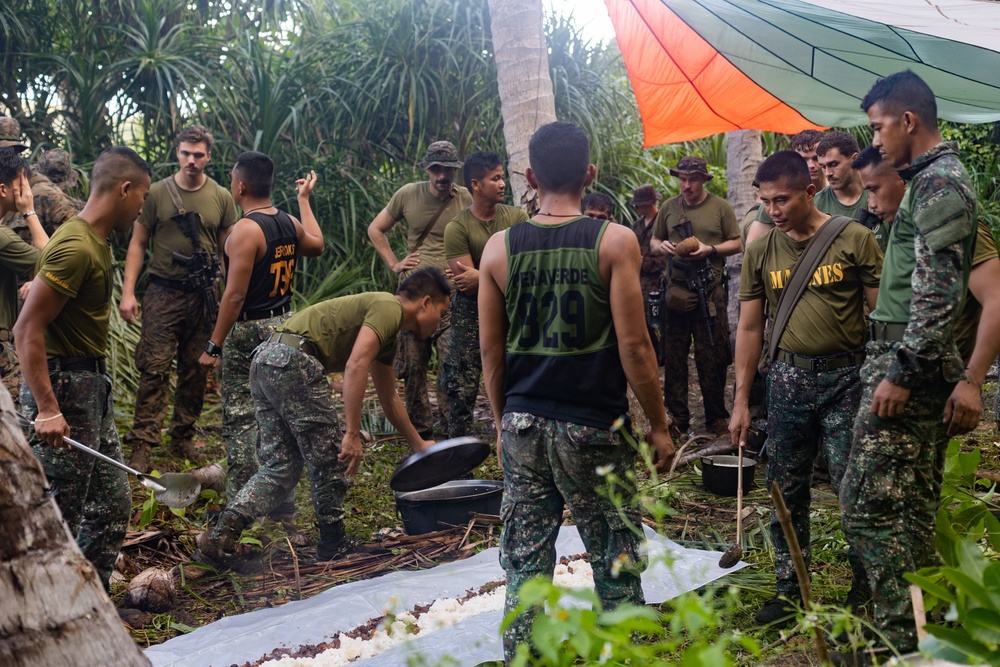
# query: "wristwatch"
212,349
29,213
714,253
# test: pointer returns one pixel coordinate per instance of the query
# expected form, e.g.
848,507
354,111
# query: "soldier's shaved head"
117,165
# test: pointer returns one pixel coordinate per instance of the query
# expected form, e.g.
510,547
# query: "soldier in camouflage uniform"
175,327
62,335
10,137
295,412
644,201
261,254
17,258
464,240
561,328
427,206
812,386
891,490
53,175
710,220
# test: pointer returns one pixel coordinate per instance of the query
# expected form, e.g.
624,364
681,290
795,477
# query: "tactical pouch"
680,299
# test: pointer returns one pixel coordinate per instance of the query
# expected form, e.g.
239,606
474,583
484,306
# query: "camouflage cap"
645,195
10,134
692,164
57,165
441,153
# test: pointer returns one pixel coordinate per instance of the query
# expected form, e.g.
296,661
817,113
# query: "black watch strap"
212,349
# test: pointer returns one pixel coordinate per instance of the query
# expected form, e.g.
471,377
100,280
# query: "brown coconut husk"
687,246
152,590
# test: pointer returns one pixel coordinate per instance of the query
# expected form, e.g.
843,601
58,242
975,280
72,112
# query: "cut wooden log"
55,610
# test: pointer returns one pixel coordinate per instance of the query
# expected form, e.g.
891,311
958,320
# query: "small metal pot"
719,474
449,503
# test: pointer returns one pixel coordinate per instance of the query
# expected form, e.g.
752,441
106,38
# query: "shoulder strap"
437,216
175,195
802,271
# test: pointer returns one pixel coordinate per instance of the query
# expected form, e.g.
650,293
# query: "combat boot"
218,547
187,451
141,455
335,543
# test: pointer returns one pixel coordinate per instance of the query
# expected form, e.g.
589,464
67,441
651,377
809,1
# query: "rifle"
700,279
201,266
656,318
700,276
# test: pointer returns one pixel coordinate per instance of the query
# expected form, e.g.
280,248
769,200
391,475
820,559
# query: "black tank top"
270,289
562,349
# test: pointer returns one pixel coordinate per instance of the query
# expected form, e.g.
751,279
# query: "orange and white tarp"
700,67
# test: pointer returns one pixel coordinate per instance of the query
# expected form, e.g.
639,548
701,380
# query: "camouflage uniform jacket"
941,265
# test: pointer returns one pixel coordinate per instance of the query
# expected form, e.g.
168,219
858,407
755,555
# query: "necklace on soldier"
560,215
259,208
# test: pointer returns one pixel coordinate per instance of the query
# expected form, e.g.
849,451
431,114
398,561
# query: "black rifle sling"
800,276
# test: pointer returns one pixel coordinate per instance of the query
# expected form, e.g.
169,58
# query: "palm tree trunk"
526,99
743,155
55,611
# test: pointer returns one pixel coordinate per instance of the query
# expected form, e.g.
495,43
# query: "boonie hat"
644,195
441,153
692,164
57,165
10,134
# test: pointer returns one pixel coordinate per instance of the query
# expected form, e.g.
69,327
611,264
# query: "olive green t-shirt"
968,320
829,318
467,234
211,201
415,203
713,221
77,263
333,326
827,202
17,259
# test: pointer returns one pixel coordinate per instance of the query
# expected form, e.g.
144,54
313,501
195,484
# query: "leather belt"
263,314
179,285
888,331
822,364
300,343
58,364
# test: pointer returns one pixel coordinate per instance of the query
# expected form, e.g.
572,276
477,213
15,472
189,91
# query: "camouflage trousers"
239,420
548,464
10,368
298,428
462,366
94,497
412,361
892,491
711,360
810,412
174,326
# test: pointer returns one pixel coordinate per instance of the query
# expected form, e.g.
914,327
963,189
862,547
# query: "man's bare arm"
384,378
366,347
749,344
464,273
377,231
871,297
619,255
964,407
493,323
129,307
309,233
40,309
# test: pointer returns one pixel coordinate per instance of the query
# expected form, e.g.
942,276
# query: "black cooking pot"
449,503
719,474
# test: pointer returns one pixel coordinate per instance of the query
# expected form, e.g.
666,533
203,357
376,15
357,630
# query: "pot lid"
439,463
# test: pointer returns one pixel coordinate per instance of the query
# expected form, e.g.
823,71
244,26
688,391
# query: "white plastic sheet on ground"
247,637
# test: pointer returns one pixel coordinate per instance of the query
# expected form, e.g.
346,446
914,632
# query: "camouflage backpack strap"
175,195
802,272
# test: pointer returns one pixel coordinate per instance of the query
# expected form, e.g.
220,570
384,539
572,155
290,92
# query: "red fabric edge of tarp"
684,88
